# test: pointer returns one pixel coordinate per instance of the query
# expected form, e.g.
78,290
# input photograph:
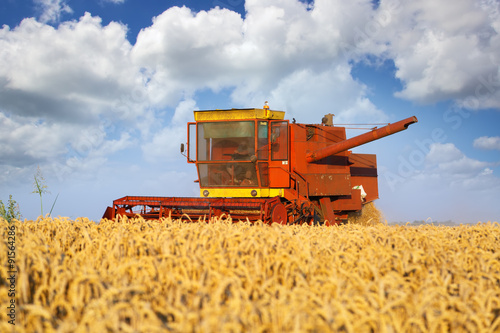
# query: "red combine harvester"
252,164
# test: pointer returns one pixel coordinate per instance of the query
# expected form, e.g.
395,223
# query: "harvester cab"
252,164
240,153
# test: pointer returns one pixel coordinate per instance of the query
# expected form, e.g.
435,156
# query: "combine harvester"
252,164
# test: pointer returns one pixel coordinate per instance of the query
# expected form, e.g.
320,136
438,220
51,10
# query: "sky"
97,94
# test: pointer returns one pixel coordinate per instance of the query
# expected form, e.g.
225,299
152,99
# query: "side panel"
278,177
329,176
329,184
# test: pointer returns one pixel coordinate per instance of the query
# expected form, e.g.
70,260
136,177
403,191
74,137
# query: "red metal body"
254,165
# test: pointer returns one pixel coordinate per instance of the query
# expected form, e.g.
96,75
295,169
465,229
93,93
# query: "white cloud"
184,112
25,142
280,41
446,184
71,73
442,153
308,95
445,52
66,93
487,172
487,142
276,53
184,50
446,164
165,144
52,10
89,93
450,160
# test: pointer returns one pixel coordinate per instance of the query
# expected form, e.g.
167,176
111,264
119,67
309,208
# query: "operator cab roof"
238,114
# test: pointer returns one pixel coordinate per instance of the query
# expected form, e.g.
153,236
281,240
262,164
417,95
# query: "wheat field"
169,276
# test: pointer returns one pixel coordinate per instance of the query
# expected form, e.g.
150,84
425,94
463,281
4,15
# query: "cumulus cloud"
487,143
445,162
184,49
448,158
72,72
51,10
442,153
276,53
165,144
65,91
315,94
87,90
26,142
444,52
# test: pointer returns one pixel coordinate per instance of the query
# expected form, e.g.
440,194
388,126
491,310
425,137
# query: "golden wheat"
153,276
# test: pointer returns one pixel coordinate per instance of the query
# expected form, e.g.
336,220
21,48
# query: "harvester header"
253,164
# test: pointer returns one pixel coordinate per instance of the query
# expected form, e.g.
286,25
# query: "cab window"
279,140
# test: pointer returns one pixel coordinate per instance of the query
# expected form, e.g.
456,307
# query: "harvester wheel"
279,214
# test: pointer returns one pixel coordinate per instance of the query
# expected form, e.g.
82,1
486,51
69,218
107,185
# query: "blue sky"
97,93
